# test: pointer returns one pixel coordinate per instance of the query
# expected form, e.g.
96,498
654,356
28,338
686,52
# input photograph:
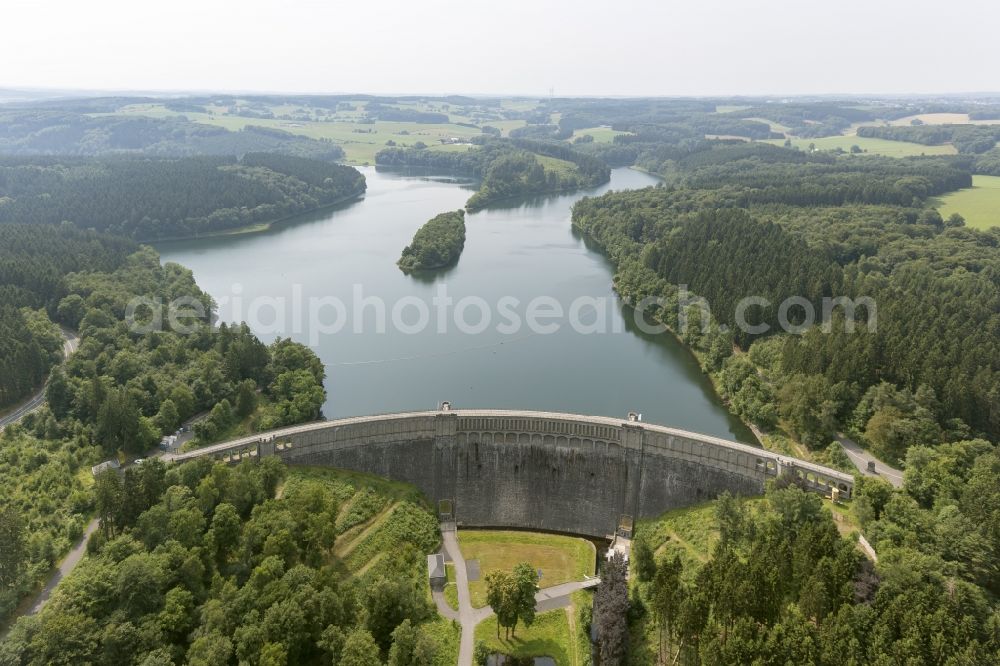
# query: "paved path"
466,613
560,596
549,598
860,457
444,610
70,343
67,565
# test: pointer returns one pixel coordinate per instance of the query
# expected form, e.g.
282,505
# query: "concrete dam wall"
538,470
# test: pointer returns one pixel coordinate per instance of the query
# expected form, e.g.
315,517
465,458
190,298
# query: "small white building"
436,573
104,466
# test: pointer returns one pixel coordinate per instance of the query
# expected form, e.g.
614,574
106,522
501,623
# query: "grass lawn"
548,636
561,558
451,588
979,204
873,146
351,483
557,165
447,635
690,532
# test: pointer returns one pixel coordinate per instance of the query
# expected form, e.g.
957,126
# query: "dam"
589,475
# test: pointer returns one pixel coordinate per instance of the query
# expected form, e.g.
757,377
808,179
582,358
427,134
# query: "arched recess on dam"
536,470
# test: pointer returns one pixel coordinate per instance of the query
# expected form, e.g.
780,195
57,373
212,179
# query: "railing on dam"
548,430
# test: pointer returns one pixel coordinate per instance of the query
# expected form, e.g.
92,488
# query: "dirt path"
344,549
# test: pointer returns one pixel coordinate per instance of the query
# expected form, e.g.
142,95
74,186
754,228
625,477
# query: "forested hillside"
210,564
928,373
62,131
508,168
123,389
436,244
154,198
965,138
773,582
33,264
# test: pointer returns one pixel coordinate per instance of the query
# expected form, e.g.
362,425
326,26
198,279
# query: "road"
67,565
860,457
70,343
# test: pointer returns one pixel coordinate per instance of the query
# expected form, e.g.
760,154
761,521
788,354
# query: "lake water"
517,252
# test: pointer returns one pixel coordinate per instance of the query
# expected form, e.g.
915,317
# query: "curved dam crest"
588,475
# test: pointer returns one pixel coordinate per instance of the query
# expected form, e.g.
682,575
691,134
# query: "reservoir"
327,279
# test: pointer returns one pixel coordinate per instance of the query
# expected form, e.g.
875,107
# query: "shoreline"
257,228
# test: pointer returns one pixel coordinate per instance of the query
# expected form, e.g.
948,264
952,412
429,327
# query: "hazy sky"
579,47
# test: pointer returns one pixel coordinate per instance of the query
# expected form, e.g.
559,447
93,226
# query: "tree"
226,529
390,602
71,310
58,393
502,596
246,398
176,616
643,560
212,649
667,596
118,423
12,546
808,406
611,607
168,418
480,654
359,649
732,518
108,499
411,647
526,580
273,654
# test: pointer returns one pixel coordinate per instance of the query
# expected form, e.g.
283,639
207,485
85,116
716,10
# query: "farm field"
775,125
560,558
360,141
873,146
943,119
600,134
979,204
555,164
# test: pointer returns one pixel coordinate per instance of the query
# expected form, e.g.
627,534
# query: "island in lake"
436,244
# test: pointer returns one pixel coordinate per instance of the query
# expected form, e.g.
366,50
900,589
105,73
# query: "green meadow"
872,146
600,134
979,204
359,140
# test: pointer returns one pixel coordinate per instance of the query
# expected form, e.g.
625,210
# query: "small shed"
436,573
104,466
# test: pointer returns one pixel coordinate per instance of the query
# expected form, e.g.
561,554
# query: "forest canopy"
62,131
849,226
438,243
508,168
155,198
